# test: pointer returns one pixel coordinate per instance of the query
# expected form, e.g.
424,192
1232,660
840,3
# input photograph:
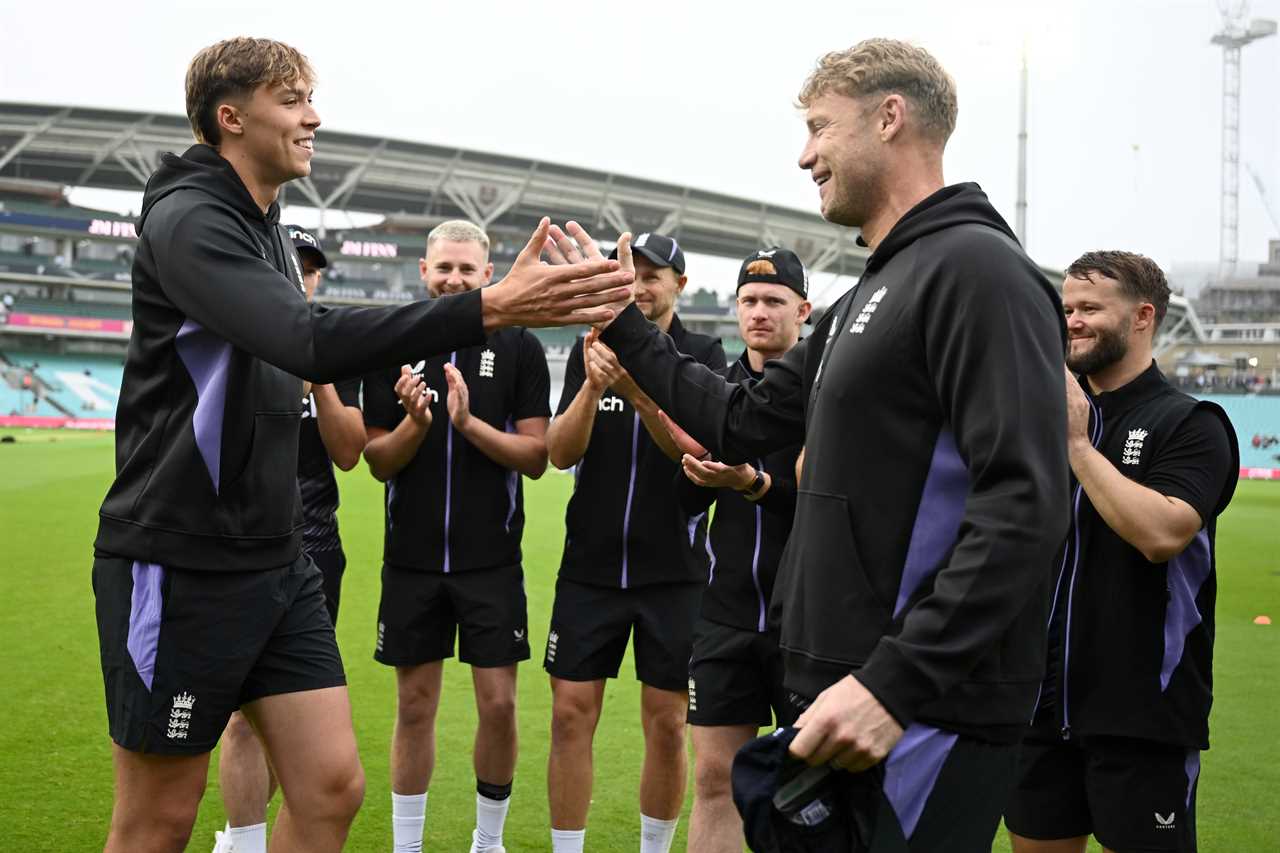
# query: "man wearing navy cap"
332,431
735,673
632,560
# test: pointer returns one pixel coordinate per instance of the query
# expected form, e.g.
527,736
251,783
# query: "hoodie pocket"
262,499
831,610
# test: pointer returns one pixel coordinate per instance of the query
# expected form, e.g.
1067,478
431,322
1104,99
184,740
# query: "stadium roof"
118,149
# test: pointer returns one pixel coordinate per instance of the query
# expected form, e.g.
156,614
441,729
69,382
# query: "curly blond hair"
886,66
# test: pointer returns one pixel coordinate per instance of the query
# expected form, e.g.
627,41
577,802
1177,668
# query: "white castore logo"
766,254
180,716
1164,822
486,364
1133,447
859,324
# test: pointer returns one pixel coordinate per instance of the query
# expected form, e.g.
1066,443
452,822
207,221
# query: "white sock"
656,835
408,814
567,840
490,816
249,839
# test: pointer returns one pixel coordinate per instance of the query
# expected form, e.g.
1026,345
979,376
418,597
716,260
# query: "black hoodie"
930,401
207,426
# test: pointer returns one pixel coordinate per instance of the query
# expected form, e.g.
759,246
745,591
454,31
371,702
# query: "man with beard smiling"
451,436
1114,746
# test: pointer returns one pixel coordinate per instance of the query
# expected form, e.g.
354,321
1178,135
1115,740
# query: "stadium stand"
66,385
1257,423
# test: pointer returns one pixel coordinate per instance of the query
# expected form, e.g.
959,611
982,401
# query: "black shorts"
420,611
181,650
1130,794
331,564
735,678
590,626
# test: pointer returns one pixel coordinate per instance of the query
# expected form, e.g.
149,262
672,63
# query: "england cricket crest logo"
180,716
859,324
486,364
1133,447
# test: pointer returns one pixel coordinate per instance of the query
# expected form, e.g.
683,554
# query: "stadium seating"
79,385
1253,416
79,308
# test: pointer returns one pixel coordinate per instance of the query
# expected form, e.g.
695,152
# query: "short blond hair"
233,69
886,66
459,231
761,266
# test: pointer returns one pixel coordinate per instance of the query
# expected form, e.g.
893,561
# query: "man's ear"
891,117
1145,318
230,119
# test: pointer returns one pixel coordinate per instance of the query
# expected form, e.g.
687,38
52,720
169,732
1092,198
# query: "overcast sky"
1124,109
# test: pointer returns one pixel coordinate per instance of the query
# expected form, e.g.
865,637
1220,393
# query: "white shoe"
474,848
222,842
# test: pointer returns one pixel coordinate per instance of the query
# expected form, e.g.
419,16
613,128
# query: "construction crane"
1233,37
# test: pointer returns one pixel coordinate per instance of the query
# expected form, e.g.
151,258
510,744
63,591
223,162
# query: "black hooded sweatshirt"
931,404
207,427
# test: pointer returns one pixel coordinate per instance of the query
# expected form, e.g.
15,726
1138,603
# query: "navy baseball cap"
786,805
775,266
304,240
661,250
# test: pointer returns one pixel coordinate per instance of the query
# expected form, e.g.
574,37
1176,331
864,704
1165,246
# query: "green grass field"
55,767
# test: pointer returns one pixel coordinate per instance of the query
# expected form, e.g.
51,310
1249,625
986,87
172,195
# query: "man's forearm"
1143,517
341,427
648,412
388,454
524,453
570,432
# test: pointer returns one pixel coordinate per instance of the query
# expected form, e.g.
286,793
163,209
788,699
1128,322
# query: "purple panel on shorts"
144,619
911,770
937,518
1187,573
206,357
1193,772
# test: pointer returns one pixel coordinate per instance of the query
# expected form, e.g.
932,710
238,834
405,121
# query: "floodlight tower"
1233,37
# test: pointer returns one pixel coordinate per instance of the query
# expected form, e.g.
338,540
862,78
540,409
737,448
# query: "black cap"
787,270
660,249
786,805
304,240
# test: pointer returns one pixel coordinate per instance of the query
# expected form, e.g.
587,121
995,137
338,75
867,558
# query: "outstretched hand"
573,245
559,294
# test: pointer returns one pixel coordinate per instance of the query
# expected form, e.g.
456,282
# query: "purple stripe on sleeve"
1192,767
937,519
144,619
1187,573
911,770
206,357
